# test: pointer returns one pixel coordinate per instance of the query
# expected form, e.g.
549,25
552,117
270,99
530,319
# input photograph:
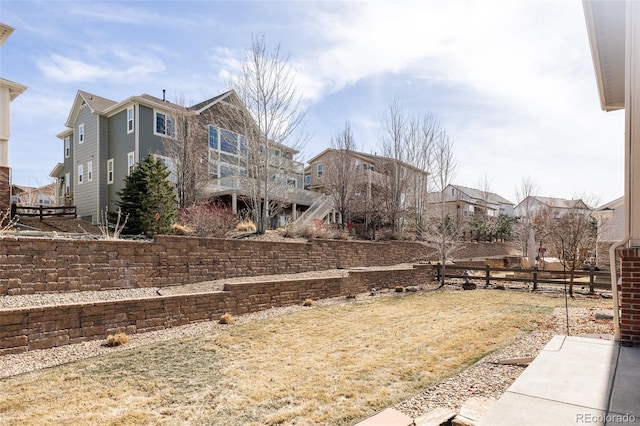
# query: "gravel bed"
485,378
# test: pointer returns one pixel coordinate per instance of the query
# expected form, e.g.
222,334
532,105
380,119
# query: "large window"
130,120
213,137
319,170
110,170
164,124
228,141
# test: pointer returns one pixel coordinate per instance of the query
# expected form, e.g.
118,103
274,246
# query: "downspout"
614,285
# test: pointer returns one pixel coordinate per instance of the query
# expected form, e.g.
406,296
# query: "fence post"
487,276
438,269
40,208
535,279
592,276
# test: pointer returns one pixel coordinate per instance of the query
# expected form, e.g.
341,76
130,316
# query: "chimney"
163,95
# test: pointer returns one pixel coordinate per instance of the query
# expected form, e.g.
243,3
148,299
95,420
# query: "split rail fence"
597,279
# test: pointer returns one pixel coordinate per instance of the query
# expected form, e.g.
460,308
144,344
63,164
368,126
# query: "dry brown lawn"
331,365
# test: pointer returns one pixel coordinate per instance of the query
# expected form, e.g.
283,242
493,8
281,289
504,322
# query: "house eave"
606,31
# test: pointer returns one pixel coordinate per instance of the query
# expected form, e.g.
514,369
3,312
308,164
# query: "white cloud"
71,70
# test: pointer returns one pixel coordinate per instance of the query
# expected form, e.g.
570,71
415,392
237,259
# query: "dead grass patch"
331,365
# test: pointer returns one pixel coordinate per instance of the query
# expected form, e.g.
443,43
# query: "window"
319,170
129,120
67,147
110,170
213,137
130,162
89,171
164,124
67,184
307,180
228,141
80,174
81,133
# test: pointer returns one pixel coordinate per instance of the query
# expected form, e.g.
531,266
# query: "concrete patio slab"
574,380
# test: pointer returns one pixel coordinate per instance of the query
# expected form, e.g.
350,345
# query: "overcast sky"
511,81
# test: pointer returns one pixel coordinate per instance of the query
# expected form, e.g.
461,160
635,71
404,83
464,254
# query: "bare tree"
394,147
573,236
527,189
342,175
444,169
271,116
420,142
186,149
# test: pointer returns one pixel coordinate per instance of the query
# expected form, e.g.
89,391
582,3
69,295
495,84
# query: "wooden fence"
42,211
597,279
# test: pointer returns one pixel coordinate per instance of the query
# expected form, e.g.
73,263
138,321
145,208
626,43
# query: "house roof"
371,158
606,29
478,194
611,205
557,203
15,89
5,32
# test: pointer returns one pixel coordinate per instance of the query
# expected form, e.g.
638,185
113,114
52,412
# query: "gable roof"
372,158
556,203
611,205
480,195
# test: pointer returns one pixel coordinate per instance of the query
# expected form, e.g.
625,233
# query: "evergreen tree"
148,198
159,209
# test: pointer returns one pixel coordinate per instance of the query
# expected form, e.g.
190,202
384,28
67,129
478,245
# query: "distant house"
372,177
610,218
461,203
34,196
488,203
104,139
556,207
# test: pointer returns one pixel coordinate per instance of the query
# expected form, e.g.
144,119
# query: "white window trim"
80,174
131,124
155,122
67,184
90,171
110,171
80,133
67,147
131,162
319,170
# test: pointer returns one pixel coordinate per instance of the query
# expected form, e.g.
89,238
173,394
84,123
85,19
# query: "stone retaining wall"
33,265
43,327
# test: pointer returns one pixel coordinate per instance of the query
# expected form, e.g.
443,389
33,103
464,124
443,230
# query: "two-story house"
372,180
105,139
9,90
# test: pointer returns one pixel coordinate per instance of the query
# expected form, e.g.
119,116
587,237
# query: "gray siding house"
104,139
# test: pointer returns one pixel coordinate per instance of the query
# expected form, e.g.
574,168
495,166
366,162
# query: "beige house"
610,219
371,176
557,207
8,92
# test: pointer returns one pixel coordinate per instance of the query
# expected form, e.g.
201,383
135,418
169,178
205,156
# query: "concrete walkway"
573,381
